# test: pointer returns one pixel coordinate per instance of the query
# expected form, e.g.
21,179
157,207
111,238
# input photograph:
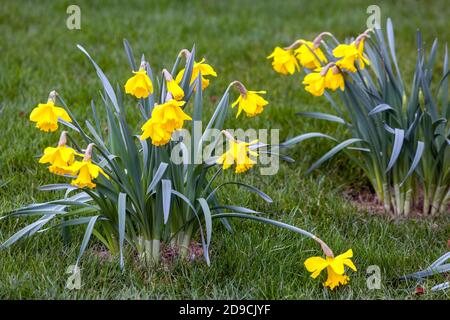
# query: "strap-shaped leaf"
322,116
24,232
397,147
208,220
332,152
130,55
106,84
121,210
303,137
157,176
416,160
166,197
380,108
87,237
236,209
264,196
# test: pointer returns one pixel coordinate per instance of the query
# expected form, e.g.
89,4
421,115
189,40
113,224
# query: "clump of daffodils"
125,187
322,72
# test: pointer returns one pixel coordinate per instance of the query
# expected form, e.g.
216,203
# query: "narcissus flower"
305,54
328,77
175,90
335,268
165,119
250,102
46,115
86,171
284,61
59,158
349,54
238,154
140,84
334,79
314,83
204,68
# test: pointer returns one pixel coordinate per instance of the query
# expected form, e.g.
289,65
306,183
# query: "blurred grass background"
39,54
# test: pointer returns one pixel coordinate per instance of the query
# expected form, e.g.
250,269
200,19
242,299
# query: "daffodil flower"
328,77
172,86
140,84
86,171
334,79
238,154
249,101
284,61
335,268
198,67
46,115
165,119
349,54
314,83
309,56
59,158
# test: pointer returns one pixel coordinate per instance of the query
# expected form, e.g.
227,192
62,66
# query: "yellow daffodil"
204,68
349,54
156,131
86,171
60,158
307,59
238,154
175,90
314,83
140,84
46,115
251,102
165,119
335,268
334,79
328,77
284,61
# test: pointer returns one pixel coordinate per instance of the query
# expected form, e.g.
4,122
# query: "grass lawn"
38,54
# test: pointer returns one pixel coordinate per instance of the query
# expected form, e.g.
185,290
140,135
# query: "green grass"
38,54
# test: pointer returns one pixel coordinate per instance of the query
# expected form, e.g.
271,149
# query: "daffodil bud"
52,97
88,152
62,139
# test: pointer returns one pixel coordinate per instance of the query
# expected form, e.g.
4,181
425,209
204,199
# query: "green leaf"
303,137
397,148
208,220
332,152
87,237
157,176
121,209
264,196
166,196
322,116
416,160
